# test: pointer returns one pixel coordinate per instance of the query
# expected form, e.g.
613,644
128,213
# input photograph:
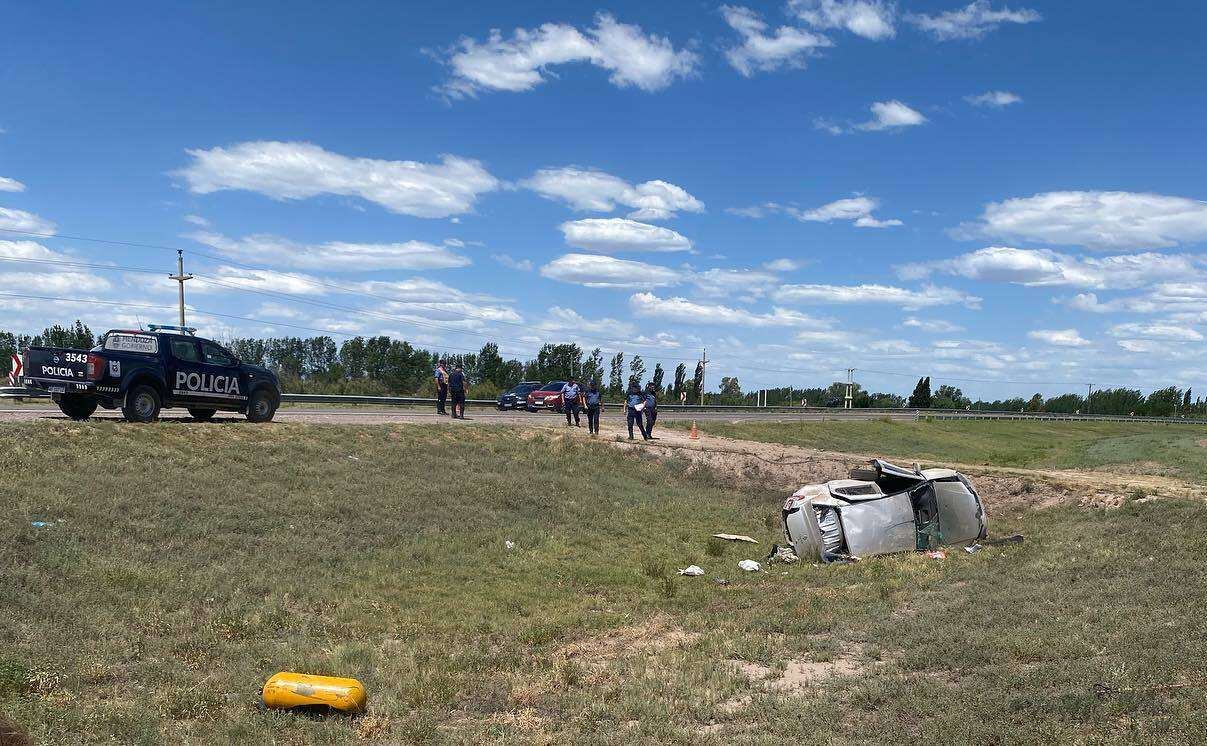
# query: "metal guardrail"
866,413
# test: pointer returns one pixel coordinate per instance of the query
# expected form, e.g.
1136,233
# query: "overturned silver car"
882,509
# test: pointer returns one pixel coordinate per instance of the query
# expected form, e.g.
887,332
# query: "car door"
225,384
185,370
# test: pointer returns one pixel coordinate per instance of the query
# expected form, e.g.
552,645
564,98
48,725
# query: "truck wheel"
202,415
77,407
142,404
262,406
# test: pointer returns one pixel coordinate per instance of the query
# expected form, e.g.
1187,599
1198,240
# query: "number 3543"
76,357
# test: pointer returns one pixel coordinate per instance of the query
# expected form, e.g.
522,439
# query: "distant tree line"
382,365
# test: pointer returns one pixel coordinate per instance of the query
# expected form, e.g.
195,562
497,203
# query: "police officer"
651,409
441,388
456,387
634,403
571,394
594,406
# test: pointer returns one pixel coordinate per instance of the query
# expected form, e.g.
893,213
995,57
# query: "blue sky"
1010,193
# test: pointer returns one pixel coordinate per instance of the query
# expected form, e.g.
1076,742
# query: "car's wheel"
142,404
202,415
262,406
77,407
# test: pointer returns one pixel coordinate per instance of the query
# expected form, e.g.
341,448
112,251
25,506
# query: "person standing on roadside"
456,387
651,409
594,404
634,404
441,387
571,393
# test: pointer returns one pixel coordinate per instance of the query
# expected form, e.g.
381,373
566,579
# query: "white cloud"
1041,267
755,211
10,185
53,283
749,283
27,222
783,265
596,191
298,170
1059,337
521,63
929,295
931,326
1096,220
871,19
621,234
197,220
970,22
524,265
891,115
608,272
1157,330
855,209
27,250
994,99
230,278
759,51
568,321
690,312
335,256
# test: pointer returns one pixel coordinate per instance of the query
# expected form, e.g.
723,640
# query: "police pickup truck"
144,371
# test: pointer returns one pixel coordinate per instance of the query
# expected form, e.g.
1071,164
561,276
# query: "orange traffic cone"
695,433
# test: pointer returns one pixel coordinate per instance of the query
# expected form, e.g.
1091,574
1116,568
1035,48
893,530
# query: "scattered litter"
1012,539
973,549
720,581
509,544
693,570
354,458
937,554
40,524
750,565
286,689
838,558
782,554
735,537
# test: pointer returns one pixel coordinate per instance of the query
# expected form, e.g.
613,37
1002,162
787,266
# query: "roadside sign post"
14,376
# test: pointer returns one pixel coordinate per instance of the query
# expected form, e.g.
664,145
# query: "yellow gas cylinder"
288,689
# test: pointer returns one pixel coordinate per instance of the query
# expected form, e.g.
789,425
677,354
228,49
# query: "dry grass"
186,563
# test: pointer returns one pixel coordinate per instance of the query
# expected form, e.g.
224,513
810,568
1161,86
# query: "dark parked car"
548,396
144,371
516,397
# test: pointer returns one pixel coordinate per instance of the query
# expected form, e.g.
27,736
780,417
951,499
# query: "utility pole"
703,373
848,398
180,277
1089,391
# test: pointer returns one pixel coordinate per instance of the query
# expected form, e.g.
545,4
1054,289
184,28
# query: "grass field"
186,563
1171,450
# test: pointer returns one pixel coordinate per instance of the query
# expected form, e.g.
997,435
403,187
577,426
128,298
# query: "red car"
548,396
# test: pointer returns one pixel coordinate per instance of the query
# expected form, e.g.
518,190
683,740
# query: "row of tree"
1167,402
381,365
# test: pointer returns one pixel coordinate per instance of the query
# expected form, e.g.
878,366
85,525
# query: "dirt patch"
656,634
802,673
12,734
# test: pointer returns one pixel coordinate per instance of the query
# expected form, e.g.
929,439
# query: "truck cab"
142,372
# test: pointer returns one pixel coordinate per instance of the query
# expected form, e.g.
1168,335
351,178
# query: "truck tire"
261,406
202,415
142,404
77,407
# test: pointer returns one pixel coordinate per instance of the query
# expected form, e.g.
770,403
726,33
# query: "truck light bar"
171,327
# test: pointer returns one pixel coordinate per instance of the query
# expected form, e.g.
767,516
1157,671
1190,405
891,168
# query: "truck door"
227,384
184,370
